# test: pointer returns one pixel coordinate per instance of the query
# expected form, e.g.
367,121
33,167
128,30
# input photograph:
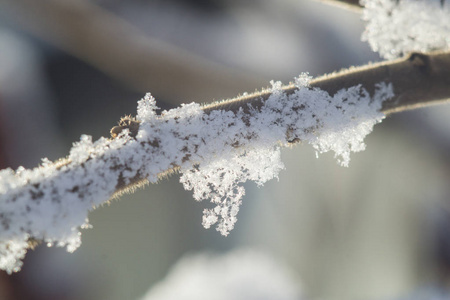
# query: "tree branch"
219,146
51,202
419,80
351,5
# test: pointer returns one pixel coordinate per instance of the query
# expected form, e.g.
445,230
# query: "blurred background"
376,230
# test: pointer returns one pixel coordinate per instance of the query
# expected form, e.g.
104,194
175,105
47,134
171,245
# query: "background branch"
351,5
124,52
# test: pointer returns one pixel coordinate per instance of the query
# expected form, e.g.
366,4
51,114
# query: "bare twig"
351,5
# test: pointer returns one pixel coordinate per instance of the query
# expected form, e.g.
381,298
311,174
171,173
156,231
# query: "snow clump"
216,152
395,28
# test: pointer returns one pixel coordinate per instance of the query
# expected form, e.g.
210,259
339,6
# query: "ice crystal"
336,123
217,151
220,179
398,27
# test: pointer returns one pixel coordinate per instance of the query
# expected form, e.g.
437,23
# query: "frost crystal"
219,181
398,27
248,148
216,151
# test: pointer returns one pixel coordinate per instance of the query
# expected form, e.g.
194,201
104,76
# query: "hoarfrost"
216,151
398,27
336,123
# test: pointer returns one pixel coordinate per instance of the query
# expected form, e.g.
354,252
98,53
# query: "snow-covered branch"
396,28
216,147
418,79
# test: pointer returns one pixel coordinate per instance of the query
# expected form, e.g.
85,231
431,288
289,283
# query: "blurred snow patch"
432,292
239,275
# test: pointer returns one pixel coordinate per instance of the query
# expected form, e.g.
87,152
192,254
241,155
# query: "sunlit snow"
216,152
396,28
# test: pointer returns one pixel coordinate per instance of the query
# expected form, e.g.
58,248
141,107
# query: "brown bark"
419,80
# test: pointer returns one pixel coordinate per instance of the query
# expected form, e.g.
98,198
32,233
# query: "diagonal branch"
419,80
216,144
351,5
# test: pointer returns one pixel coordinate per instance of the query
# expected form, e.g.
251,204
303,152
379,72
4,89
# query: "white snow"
394,29
239,275
217,152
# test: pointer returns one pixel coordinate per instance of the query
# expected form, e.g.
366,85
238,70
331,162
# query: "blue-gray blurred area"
376,230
